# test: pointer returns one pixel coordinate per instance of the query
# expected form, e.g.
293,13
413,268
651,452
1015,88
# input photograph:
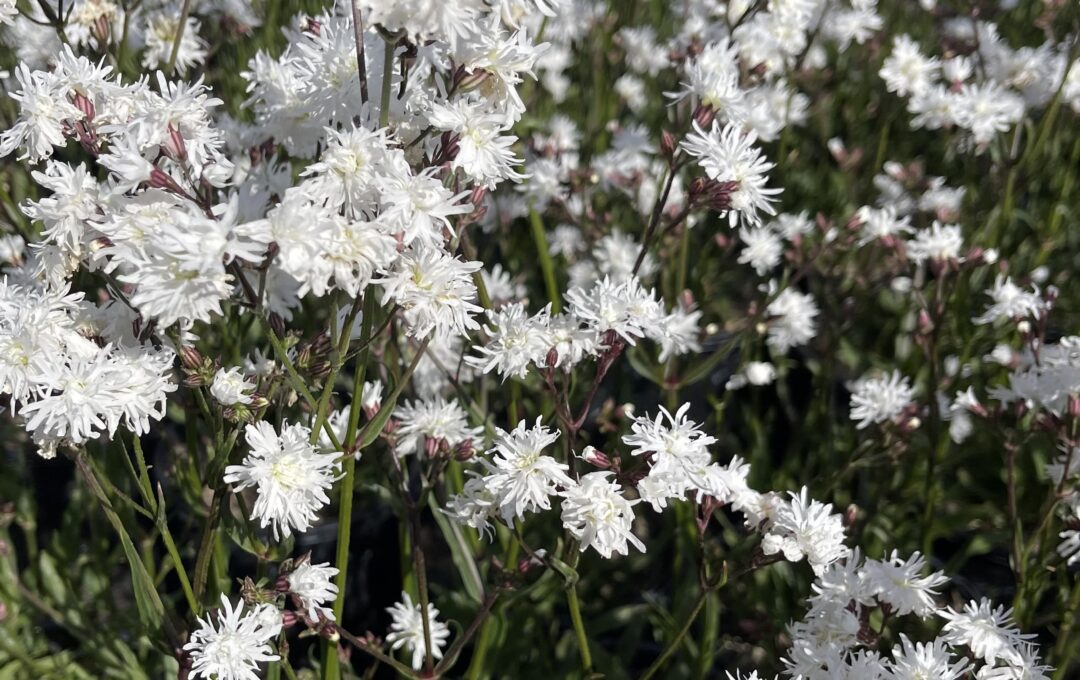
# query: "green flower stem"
677,640
574,604
344,536
540,238
388,72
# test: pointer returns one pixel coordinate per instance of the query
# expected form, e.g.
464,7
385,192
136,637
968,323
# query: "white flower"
1011,302
435,291
900,584
669,437
679,457
521,476
987,109
919,661
597,515
43,110
762,248
435,420
229,387
516,341
906,71
484,153
792,323
234,647
803,527
311,583
940,242
676,332
291,477
754,373
625,308
475,506
160,30
877,223
407,630
876,400
419,206
728,155
988,632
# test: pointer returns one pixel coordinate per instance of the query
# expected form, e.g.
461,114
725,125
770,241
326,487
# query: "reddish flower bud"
190,357
595,457
174,146
704,115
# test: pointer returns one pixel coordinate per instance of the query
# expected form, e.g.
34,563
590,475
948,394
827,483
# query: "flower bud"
704,115
595,457
84,104
174,146
190,357
667,145
1074,406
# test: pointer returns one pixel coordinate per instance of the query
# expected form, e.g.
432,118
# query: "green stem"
677,640
345,507
579,624
546,266
202,560
388,72
181,24
1065,648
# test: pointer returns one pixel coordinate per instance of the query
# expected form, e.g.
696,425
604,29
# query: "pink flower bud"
595,457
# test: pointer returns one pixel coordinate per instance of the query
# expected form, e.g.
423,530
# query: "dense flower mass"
615,327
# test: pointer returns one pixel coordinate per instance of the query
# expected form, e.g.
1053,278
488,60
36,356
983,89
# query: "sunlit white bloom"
407,630
434,422
161,30
803,527
43,110
754,373
941,242
517,341
728,155
877,223
233,647
289,474
311,584
900,583
987,109
762,248
918,660
476,506
877,400
435,291
519,474
906,71
625,308
484,153
1011,302
677,332
230,387
598,516
792,320
987,631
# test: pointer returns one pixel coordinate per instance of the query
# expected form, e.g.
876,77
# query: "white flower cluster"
234,646
836,640
72,370
597,509
984,93
595,318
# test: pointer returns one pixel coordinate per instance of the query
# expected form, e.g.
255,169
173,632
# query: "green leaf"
645,368
460,554
50,579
